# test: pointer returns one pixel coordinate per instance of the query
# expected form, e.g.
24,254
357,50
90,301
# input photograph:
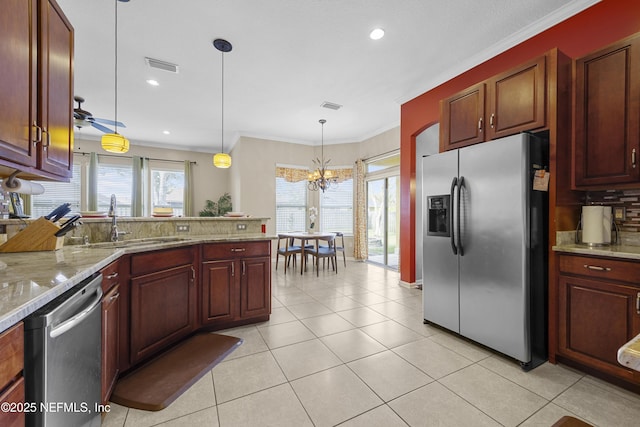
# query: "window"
167,189
336,208
115,179
57,193
291,205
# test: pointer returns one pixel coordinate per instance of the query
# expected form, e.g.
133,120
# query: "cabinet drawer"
624,271
151,262
15,394
233,250
11,354
110,276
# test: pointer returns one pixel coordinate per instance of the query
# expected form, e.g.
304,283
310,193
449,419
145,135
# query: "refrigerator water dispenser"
438,211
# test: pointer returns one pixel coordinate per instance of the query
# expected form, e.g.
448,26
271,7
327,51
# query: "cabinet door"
517,100
607,107
219,291
56,91
163,309
595,319
110,341
18,84
255,289
462,118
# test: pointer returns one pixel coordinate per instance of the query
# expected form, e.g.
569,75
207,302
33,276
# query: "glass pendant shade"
222,160
114,143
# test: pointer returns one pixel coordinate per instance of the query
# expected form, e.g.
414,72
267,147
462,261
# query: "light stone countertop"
629,247
613,251
29,280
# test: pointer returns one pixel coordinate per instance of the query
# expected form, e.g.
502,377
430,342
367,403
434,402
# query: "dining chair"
340,247
323,251
287,249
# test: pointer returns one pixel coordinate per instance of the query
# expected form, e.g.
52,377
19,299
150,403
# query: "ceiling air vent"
331,105
161,65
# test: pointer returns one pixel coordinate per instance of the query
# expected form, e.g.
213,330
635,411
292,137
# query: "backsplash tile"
630,199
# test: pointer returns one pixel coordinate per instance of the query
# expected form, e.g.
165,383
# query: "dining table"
305,237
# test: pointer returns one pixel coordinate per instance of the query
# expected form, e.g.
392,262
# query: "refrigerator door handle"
460,187
451,217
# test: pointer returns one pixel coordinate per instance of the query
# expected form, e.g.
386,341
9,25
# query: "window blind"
291,205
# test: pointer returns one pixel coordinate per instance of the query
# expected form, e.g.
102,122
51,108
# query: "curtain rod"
84,153
379,156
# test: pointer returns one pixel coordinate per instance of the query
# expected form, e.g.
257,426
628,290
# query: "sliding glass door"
383,220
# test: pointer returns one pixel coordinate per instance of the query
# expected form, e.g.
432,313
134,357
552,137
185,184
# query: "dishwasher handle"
73,321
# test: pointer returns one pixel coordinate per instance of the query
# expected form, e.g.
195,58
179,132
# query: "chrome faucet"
112,214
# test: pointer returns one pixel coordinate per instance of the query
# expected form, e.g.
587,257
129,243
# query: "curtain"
360,214
187,198
137,187
93,182
297,174
291,174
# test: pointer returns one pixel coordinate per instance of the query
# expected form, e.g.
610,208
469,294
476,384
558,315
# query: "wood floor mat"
157,383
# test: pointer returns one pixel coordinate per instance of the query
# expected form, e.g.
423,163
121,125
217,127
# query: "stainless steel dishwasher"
63,359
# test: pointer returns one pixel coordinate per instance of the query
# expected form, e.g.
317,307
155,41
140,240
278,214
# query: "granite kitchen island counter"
29,280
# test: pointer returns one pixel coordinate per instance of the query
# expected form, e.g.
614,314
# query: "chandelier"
322,178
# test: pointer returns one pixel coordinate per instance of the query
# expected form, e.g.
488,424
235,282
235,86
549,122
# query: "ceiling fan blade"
109,122
101,128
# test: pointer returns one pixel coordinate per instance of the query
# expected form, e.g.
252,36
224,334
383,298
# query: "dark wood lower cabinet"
11,379
219,291
166,295
255,292
163,300
110,341
597,313
163,310
236,283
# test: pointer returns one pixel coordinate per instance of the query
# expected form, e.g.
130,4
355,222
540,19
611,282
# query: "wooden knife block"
37,236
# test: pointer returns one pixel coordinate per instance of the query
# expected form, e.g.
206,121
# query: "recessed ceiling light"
153,82
376,34
166,132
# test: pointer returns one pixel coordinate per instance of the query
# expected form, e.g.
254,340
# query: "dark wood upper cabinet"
56,92
462,118
606,139
504,105
36,89
517,100
18,85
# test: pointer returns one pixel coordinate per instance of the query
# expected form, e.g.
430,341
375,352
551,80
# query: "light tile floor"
351,349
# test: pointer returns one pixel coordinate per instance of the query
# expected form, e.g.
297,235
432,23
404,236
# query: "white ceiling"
288,57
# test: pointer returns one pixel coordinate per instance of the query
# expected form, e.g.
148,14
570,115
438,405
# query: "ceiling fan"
83,118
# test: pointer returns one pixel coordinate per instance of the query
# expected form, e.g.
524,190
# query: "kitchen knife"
68,226
58,212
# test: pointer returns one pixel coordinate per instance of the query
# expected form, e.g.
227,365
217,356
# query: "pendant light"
222,159
322,178
114,142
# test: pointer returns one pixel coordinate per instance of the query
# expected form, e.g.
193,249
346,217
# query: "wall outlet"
241,227
619,213
182,228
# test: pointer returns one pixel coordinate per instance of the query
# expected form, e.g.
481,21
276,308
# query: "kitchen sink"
136,242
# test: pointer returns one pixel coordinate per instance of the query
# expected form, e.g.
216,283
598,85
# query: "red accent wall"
596,27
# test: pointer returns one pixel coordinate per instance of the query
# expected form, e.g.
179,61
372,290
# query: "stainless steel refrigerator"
485,245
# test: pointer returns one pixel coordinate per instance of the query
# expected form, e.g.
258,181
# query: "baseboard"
410,285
